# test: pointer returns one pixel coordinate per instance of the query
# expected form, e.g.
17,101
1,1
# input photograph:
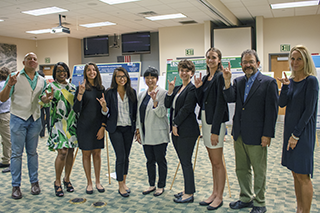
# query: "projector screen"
232,41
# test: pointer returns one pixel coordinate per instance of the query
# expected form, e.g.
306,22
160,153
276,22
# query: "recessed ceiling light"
294,4
44,11
117,1
98,24
39,31
163,17
1,20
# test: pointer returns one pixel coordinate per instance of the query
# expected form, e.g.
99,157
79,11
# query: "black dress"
90,119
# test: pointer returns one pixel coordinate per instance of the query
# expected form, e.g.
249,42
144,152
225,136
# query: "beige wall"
23,47
74,52
174,40
295,30
55,49
65,49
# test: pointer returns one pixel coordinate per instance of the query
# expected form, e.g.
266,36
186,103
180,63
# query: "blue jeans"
24,133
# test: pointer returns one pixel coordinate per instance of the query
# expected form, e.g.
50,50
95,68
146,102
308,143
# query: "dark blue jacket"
256,117
184,117
112,116
216,107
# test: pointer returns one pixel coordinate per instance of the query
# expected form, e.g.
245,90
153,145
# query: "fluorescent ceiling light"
294,4
117,1
163,17
39,31
44,11
99,24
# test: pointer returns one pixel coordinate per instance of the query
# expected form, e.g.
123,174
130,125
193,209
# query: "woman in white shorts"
213,113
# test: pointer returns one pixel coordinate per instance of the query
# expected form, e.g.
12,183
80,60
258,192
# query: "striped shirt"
123,111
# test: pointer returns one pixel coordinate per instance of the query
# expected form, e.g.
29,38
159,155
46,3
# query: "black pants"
184,148
156,154
121,141
45,120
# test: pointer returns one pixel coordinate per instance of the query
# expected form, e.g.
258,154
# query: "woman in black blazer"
120,110
185,129
213,114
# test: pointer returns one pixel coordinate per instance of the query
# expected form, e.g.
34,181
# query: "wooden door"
47,69
279,63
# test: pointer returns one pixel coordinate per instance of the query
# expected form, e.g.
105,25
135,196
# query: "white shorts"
206,132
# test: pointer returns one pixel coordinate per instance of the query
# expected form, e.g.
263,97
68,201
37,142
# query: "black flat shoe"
4,165
124,195
203,203
128,190
187,200
148,191
214,208
89,191
56,188
178,195
68,185
156,194
239,204
100,190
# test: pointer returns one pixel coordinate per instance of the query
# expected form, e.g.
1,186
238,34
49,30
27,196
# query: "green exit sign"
285,47
189,51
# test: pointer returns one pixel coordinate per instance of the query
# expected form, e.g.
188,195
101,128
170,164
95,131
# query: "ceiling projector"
60,29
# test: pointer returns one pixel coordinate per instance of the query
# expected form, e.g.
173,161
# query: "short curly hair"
187,64
4,72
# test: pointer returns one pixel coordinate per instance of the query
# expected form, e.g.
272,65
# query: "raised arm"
11,81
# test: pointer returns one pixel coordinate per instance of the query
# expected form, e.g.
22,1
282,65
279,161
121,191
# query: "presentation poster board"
201,66
106,71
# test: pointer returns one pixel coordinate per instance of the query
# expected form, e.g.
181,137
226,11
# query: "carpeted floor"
279,193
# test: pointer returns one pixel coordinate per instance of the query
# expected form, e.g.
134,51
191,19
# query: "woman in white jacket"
153,130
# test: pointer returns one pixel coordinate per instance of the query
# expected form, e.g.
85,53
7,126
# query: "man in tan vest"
24,88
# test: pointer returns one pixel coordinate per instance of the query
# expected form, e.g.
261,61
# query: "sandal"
56,188
68,185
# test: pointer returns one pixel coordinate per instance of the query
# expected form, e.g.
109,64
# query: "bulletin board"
106,71
201,66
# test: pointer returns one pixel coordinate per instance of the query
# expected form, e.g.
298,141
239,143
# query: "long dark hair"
97,81
129,90
213,49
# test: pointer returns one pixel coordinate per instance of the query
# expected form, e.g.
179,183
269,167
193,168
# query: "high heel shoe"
56,188
66,185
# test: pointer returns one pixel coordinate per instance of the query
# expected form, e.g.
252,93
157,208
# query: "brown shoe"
16,192
35,188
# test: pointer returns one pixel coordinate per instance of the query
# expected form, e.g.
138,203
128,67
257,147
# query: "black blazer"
216,108
184,117
256,117
112,116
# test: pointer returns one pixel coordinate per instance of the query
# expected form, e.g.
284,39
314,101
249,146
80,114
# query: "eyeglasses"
248,62
58,71
121,76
